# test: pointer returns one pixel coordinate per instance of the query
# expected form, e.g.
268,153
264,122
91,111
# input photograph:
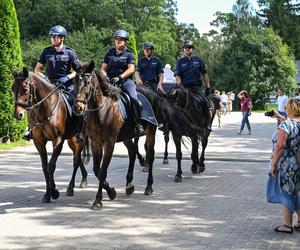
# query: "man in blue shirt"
117,68
149,70
190,71
58,59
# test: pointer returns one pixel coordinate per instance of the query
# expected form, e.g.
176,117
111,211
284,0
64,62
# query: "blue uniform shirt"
190,70
149,69
58,64
117,64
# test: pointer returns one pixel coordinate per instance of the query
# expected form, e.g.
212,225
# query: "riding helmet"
187,43
121,33
58,30
148,45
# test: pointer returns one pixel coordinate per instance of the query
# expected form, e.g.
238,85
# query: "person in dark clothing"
190,71
58,59
117,68
149,70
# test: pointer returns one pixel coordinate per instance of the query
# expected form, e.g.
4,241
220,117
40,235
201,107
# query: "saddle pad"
68,101
147,111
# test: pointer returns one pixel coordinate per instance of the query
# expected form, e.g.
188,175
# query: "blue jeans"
245,120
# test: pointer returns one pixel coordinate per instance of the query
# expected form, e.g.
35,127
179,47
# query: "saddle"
68,99
147,113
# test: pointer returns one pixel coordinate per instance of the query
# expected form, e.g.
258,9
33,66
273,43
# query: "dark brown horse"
105,126
49,121
184,99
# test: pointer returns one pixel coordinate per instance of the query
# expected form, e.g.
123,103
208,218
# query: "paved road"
223,208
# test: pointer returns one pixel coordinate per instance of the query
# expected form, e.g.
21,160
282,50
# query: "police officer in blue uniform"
117,68
58,59
190,70
149,69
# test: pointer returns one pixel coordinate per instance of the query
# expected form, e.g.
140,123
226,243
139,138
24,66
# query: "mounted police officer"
58,59
190,70
117,68
149,69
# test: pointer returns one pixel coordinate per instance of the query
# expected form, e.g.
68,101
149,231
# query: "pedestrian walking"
283,185
218,111
246,107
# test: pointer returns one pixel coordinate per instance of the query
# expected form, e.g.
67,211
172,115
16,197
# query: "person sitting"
117,68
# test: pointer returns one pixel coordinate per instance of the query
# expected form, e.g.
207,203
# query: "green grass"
9,146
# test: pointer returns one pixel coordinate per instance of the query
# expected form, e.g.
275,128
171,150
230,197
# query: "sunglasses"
190,47
55,36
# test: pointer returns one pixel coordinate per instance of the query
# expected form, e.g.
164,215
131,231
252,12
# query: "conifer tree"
10,59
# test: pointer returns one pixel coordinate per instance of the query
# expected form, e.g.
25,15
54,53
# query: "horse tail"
86,151
181,124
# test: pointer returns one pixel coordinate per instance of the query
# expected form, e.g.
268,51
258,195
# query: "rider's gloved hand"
64,79
207,92
115,79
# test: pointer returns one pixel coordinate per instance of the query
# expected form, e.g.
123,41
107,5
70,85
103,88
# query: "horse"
49,120
105,126
184,99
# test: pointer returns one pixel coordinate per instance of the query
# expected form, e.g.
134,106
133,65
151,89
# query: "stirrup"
79,137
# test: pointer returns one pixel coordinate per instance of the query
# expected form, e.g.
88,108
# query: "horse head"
23,92
83,86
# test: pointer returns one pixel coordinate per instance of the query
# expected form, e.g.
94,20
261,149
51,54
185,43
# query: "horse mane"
107,89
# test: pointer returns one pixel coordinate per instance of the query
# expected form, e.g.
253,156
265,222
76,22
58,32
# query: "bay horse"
184,99
105,126
49,120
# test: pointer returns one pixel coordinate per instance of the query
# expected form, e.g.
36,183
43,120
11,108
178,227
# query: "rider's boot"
80,127
137,109
27,135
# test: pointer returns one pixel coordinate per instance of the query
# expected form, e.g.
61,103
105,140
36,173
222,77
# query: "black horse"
105,126
195,109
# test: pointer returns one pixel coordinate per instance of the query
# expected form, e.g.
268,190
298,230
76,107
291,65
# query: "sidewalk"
224,144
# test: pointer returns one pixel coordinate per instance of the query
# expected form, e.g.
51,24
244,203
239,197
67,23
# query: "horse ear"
25,72
91,67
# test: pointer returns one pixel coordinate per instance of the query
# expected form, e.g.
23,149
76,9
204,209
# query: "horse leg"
132,156
204,142
76,148
140,157
57,147
150,133
108,149
41,147
167,138
178,176
194,155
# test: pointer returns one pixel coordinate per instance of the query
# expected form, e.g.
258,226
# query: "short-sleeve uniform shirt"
149,70
190,70
58,64
118,63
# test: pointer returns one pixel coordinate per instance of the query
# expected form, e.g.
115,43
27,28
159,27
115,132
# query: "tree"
284,17
10,58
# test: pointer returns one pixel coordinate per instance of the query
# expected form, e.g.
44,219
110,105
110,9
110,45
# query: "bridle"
90,91
32,95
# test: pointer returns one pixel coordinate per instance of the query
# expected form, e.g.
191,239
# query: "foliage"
131,45
10,58
284,17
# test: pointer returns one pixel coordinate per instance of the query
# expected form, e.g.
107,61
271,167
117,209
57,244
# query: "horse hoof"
201,169
165,161
194,169
130,190
97,205
148,191
112,193
54,194
46,199
145,169
83,184
177,178
70,192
